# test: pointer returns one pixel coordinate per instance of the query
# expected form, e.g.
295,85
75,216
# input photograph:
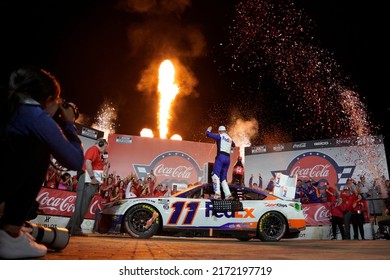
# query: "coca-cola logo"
54,202
180,172
321,213
63,204
173,167
300,145
316,171
318,166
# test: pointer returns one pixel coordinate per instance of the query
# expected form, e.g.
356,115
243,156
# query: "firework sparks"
105,119
274,38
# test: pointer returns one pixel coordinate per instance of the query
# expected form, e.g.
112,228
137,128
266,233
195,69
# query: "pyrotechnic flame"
168,91
105,119
176,137
146,132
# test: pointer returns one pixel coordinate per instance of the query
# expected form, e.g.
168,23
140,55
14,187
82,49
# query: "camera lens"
52,237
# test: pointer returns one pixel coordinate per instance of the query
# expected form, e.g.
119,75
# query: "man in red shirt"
94,166
337,217
359,207
346,206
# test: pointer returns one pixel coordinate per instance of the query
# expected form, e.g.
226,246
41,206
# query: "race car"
251,214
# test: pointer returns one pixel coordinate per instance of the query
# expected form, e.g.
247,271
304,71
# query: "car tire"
135,219
272,227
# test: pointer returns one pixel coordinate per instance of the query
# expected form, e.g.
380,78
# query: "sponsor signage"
124,139
56,202
172,162
330,161
318,214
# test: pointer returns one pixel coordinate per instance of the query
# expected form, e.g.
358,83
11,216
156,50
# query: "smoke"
159,34
154,7
243,131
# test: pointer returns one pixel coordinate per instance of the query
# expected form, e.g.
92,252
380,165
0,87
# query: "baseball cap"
221,128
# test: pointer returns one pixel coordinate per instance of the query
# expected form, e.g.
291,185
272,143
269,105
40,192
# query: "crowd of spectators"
349,204
60,179
113,187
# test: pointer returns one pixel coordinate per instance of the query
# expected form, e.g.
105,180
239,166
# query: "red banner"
317,214
62,203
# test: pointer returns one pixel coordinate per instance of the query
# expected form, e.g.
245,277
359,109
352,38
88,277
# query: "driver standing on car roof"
222,161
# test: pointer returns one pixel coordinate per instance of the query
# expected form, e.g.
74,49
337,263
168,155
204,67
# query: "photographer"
29,136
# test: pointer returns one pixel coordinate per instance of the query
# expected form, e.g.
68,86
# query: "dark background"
88,45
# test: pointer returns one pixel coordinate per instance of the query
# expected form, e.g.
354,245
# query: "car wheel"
272,226
135,220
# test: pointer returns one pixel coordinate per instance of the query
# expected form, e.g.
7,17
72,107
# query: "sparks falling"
168,91
105,119
274,39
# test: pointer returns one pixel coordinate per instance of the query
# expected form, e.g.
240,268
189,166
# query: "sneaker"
21,247
334,238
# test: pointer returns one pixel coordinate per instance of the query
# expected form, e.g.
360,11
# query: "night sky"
285,66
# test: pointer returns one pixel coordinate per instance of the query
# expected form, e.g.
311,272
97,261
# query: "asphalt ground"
123,247
100,256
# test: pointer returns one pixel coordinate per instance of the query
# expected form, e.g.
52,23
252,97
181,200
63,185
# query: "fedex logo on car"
247,213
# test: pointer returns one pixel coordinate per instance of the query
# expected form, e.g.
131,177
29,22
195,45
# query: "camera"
67,104
52,237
